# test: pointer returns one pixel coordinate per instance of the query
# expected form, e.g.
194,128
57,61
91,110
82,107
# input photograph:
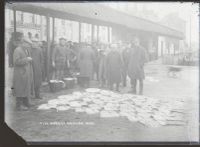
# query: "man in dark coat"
37,64
102,67
86,60
113,67
136,64
23,75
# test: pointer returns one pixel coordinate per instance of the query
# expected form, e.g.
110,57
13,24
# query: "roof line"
140,18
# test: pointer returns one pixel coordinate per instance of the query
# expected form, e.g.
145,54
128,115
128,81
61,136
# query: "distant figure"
136,64
86,62
37,36
30,35
23,75
37,63
113,67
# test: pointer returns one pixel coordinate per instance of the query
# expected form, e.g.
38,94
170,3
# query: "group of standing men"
113,64
110,63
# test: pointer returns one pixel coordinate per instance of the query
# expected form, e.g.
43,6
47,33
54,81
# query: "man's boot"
134,86
141,87
37,93
18,103
26,102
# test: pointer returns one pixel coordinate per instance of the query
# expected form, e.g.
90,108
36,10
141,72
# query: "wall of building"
168,46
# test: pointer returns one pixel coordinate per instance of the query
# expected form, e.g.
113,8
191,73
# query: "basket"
56,86
69,83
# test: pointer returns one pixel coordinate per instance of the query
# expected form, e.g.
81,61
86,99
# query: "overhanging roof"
94,13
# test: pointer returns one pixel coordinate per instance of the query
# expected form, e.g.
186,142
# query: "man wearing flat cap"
23,75
59,57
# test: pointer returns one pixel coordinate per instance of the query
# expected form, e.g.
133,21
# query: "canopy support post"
92,36
53,30
48,47
14,21
98,33
79,24
108,29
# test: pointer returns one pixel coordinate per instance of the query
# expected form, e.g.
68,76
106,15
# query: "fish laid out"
148,111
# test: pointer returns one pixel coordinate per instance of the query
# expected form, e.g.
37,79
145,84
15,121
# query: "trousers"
134,85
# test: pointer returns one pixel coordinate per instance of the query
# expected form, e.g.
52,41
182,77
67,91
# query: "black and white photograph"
103,71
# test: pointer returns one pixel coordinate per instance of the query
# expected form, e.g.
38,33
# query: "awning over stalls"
94,13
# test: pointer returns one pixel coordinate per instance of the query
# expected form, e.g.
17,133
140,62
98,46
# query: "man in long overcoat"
23,86
37,64
86,59
102,67
113,67
136,65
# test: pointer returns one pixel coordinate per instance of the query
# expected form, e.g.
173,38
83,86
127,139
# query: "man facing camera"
137,59
23,86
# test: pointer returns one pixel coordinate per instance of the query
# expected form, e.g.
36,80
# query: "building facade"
36,24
